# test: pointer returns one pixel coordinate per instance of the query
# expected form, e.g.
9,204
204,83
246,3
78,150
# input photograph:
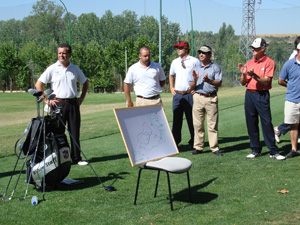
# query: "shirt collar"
210,63
261,60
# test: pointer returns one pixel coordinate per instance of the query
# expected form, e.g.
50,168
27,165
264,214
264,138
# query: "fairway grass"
225,190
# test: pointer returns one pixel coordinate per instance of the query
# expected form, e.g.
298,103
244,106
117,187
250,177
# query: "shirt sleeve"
172,69
128,78
162,75
283,72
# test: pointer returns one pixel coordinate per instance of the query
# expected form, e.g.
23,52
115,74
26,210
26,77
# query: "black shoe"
195,152
291,154
218,153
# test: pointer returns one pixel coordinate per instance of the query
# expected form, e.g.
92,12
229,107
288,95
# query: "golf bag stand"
51,161
57,113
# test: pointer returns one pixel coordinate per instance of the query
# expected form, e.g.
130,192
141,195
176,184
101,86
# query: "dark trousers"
258,104
182,103
284,128
71,117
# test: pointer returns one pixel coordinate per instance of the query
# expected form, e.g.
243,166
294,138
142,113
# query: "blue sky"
271,17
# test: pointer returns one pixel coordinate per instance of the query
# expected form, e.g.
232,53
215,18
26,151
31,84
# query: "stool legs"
137,186
156,186
170,195
190,192
157,179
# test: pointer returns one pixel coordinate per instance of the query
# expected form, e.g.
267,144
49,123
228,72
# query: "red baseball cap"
181,44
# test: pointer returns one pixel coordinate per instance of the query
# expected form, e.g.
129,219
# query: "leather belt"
260,91
66,99
207,95
183,92
153,97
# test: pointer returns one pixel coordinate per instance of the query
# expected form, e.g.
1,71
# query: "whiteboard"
146,133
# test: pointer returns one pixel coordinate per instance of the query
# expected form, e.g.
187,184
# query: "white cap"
258,43
298,46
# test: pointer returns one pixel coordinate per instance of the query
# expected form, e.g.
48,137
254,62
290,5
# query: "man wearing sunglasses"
257,75
207,80
180,78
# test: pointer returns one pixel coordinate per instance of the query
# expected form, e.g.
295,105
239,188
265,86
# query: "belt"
153,97
183,92
207,95
260,91
66,99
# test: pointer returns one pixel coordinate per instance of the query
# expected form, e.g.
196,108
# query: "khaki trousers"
142,101
209,106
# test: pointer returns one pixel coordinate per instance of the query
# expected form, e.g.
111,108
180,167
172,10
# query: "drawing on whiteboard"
151,135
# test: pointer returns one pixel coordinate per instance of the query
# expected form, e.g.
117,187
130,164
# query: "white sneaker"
298,140
82,163
277,156
252,155
277,134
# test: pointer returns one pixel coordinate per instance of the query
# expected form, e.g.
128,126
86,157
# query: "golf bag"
57,163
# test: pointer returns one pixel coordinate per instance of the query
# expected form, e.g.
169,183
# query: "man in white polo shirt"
63,77
182,67
147,78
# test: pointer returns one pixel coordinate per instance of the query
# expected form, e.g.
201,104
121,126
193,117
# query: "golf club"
107,188
8,199
34,156
11,176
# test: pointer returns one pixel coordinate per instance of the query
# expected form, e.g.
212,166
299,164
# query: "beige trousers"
142,101
209,106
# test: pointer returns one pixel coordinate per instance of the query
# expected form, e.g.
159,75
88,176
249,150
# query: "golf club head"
6,199
21,199
48,92
31,91
1,195
110,188
39,99
51,96
38,93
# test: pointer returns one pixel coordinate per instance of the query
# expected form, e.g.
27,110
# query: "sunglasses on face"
180,48
182,64
204,53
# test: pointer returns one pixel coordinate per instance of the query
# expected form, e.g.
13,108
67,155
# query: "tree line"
104,47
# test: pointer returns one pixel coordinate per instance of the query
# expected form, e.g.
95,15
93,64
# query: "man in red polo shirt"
257,75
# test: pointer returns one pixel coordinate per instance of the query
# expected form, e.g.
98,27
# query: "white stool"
169,165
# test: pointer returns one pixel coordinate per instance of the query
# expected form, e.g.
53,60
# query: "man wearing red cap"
257,75
182,67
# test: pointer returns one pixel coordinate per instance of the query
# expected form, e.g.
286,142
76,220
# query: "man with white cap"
257,75
290,77
182,67
207,80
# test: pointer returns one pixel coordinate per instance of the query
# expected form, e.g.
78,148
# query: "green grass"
225,190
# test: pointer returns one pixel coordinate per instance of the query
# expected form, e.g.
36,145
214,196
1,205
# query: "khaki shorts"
291,112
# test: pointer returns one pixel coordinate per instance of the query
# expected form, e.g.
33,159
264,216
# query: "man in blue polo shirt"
290,77
208,79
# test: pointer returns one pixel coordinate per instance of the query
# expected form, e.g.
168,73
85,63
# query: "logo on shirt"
263,68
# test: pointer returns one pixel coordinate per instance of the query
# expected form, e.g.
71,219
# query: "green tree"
45,24
86,29
11,30
37,59
12,68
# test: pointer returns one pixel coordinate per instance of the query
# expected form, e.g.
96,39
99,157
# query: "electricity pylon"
248,32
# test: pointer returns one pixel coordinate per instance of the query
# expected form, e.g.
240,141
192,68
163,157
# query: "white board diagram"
146,133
